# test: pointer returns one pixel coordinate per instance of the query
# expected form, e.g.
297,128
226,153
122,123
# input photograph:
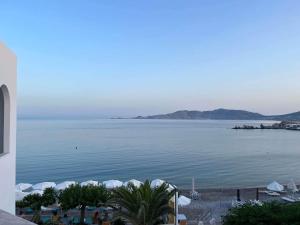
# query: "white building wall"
8,72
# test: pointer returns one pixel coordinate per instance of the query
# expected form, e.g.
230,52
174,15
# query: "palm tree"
77,196
143,205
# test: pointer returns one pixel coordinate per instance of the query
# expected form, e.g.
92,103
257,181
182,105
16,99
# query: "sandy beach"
214,203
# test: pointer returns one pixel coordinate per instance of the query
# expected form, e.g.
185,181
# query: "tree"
77,196
143,205
35,201
49,197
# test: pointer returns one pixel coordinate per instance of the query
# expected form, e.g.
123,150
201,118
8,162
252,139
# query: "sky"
127,58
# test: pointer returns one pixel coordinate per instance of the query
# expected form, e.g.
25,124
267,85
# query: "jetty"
283,125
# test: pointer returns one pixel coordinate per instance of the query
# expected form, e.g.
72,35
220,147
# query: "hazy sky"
123,58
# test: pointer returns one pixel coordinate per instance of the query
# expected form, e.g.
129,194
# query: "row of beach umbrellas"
22,189
109,184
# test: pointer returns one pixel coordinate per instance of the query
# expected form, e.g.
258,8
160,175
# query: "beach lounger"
236,203
271,193
88,220
288,199
45,219
75,220
45,209
91,208
28,211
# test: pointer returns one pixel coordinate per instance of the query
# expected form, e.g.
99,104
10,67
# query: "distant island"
222,114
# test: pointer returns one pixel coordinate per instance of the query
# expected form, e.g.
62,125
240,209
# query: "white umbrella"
20,195
110,184
171,187
134,182
157,183
292,186
39,192
43,185
181,217
184,201
275,186
64,185
23,186
89,182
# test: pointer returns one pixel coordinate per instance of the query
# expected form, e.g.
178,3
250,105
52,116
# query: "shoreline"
213,203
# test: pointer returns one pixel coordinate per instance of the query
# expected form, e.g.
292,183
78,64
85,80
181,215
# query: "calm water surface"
210,151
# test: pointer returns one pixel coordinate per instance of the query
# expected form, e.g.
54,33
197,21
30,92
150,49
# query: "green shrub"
273,213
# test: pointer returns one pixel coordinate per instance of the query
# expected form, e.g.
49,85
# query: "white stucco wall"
8,72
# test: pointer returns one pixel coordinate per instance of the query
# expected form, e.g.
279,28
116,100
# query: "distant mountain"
290,116
221,114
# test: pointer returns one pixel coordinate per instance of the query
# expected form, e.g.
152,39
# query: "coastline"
213,203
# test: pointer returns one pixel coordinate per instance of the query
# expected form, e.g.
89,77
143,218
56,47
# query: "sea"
173,150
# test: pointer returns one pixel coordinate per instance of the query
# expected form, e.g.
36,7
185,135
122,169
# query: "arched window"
4,119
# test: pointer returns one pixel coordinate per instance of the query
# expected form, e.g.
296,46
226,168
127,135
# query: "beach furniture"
89,182
111,184
45,219
171,187
91,208
271,193
23,186
288,199
20,195
184,201
62,186
256,202
88,220
291,186
275,186
75,220
42,186
39,192
134,182
47,209
182,220
236,203
194,194
157,183
28,210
